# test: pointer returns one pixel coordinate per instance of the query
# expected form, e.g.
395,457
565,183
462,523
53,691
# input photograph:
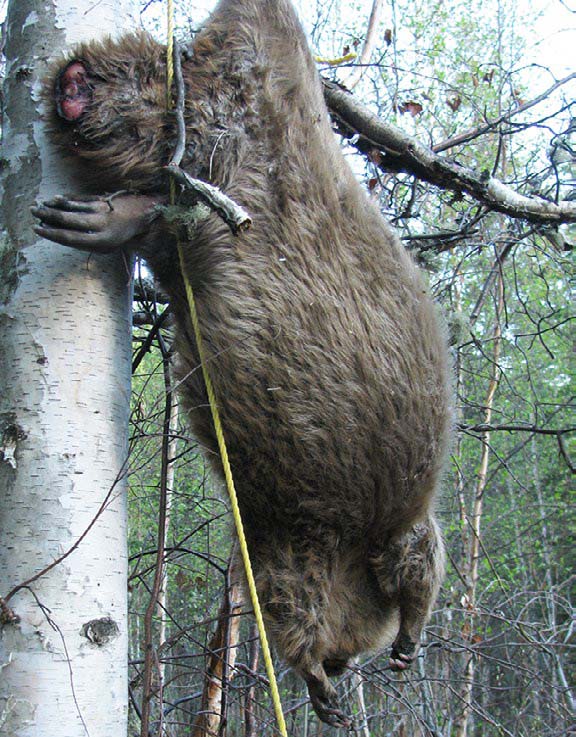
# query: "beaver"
329,361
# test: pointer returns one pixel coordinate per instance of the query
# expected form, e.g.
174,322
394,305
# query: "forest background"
495,94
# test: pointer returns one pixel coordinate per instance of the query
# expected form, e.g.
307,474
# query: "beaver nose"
73,91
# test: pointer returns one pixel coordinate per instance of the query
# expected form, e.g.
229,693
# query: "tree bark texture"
64,404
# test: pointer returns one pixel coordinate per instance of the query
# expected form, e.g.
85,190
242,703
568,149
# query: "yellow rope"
336,62
220,433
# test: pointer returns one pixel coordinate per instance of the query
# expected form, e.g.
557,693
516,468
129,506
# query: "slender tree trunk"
163,595
369,43
152,682
222,650
362,719
250,724
474,522
64,402
551,614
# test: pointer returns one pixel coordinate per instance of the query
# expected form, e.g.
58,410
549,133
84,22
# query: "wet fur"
328,359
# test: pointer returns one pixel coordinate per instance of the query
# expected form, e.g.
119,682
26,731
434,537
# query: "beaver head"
108,106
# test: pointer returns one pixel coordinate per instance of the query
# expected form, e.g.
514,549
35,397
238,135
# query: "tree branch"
233,214
519,427
393,150
147,343
564,452
473,133
369,41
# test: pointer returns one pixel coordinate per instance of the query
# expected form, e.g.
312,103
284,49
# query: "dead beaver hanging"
329,364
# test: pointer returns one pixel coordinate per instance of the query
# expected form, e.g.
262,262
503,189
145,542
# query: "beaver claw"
328,712
403,653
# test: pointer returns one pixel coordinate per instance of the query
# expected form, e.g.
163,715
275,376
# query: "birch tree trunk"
64,403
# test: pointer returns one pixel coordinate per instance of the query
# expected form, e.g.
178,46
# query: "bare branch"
517,427
233,214
147,343
221,655
364,58
564,451
145,290
494,271
473,133
393,150
179,107
150,653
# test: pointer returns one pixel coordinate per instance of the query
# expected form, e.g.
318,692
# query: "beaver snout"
73,91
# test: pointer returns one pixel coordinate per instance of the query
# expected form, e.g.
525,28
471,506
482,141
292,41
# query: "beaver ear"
72,90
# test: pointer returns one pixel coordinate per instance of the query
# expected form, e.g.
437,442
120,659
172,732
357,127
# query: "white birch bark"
64,401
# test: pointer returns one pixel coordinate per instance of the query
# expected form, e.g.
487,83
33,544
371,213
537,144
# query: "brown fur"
329,364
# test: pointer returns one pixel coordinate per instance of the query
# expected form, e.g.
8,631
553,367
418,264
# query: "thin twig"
519,427
564,452
46,612
470,135
152,333
369,41
57,561
494,271
250,703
